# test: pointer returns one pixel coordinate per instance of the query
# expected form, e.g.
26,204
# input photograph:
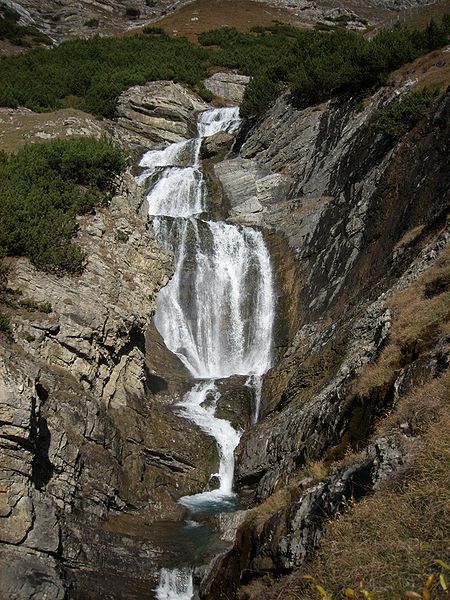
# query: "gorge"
242,393
216,315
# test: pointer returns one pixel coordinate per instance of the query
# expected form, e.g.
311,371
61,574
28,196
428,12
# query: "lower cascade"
216,314
175,584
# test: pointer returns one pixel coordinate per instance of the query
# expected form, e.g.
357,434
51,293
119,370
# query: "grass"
386,545
418,318
389,542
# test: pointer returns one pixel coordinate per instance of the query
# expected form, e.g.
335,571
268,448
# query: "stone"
216,145
228,86
158,113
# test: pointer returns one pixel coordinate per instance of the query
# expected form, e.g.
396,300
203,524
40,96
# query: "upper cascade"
217,312
180,188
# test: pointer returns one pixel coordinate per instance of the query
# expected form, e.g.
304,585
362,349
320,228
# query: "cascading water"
175,584
217,311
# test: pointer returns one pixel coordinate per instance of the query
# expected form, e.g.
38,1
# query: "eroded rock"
158,113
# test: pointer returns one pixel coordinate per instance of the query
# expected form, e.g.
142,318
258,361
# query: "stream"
216,314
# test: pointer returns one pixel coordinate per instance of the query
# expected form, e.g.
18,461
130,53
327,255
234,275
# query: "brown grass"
21,126
417,321
432,69
389,542
203,15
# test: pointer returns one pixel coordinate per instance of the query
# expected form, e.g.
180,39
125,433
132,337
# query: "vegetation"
391,544
5,326
121,236
421,313
33,305
18,35
404,113
42,189
92,22
90,74
132,13
316,65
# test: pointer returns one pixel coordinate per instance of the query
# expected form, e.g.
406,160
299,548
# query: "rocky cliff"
92,453
90,456
354,217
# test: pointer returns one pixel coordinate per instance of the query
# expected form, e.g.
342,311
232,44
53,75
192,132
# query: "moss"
121,236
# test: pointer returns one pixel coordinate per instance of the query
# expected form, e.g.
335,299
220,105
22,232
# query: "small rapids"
216,314
175,584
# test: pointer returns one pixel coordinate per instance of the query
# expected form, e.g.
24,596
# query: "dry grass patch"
389,542
421,313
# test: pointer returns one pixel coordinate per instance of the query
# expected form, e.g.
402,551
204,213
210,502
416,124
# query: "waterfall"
216,313
175,584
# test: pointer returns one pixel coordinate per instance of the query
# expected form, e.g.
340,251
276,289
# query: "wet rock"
236,403
228,86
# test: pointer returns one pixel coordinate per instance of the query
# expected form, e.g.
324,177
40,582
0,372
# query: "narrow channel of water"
216,314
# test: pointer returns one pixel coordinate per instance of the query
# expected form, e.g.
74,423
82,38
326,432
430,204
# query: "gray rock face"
89,454
62,19
158,113
301,430
216,145
290,536
352,197
228,86
340,201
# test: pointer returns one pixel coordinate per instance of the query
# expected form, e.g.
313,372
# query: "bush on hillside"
405,112
90,74
42,189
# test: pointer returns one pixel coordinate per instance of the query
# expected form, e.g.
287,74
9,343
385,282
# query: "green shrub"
18,34
205,94
121,236
150,30
92,22
5,325
42,189
316,65
132,13
404,113
90,74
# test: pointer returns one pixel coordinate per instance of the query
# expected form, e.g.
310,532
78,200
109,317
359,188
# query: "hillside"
224,331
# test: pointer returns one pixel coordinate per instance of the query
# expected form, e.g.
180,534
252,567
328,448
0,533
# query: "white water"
175,584
218,317
217,311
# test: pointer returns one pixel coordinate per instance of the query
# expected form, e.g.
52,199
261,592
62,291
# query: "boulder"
158,113
228,86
